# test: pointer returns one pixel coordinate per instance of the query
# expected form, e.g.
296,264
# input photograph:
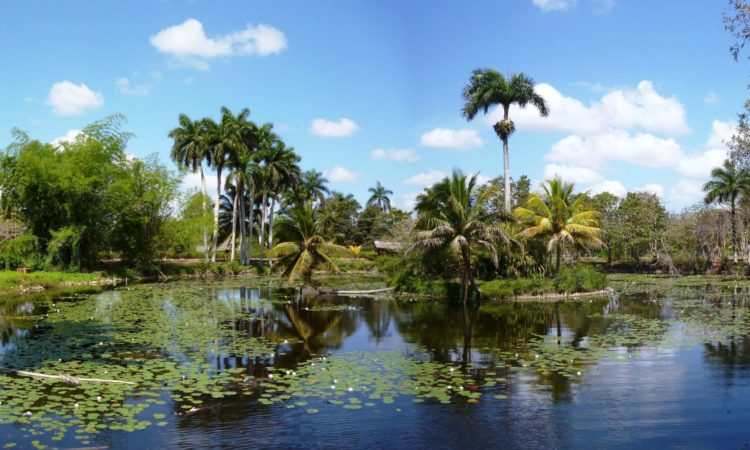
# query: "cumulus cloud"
188,44
125,87
686,191
399,155
624,109
426,178
614,187
341,174
329,128
70,99
554,5
447,138
70,136
721,133
572,173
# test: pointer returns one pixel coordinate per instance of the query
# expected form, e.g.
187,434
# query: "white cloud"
70,136
651,188
700,165
625,109
125,87
328,128
711,98
399,155
189,45
592,151
70,99
426,178
612,186
602,6
408,200
481,179
554,5
686,191
341,174
721,133
572,173
446,138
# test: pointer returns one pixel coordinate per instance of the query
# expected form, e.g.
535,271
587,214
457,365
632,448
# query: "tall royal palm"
727,184
223,139
266,140
189,150
280,172
450,216
380,197
243,175
488,88
560,217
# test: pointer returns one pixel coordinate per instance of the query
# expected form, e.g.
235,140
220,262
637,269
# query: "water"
230,365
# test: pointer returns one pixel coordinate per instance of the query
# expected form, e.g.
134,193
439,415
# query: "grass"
10,280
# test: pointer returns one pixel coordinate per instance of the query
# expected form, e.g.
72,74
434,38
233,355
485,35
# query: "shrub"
580,278
507,288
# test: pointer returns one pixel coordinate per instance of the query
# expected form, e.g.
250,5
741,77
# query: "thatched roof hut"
388,247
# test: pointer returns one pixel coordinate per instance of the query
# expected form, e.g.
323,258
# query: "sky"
642,94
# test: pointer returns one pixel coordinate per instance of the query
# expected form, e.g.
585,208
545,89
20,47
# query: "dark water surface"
237,365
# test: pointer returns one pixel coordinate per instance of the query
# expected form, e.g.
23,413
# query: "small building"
388,247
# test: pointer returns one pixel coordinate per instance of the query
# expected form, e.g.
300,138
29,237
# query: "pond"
246,364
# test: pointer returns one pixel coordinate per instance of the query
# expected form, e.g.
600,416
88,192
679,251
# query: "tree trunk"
263,226
270,227
234,220
466,278
205,196
557,258
506,165
243,240
251,216
216,213
734,232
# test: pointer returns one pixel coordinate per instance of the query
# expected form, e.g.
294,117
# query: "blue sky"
641,92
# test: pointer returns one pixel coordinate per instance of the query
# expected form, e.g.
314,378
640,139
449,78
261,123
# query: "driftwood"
65,378
370,292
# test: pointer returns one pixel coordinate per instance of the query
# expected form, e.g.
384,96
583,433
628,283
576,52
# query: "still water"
245,364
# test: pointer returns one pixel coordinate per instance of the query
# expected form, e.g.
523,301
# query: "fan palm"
302,247
487,88
727,184
380,197
450,217
560,217
188,152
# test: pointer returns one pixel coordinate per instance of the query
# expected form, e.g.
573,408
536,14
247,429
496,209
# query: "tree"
302,247
640,221
727,184
561,218
380,197
243,175
450,219
313,187
606,204
189,150
224,138
280,172
339,216
488,88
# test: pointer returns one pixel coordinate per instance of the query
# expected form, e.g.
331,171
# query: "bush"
507,288
580,278
369,254
10,261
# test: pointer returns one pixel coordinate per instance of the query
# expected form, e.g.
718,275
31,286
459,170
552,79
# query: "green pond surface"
248,364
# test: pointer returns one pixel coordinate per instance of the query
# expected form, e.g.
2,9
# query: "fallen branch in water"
369,292
65,378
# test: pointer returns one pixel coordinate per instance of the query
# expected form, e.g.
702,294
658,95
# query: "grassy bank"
11,281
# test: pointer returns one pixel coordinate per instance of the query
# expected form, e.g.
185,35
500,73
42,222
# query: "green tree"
313,187
561,218
339,216
606,204
450,219
380,197
640,221
302,247
727,184
281,172
488,88
189,151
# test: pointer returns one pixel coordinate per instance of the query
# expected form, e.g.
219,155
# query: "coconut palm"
189,150
488,88
380,197
302,247
727,184
223,139
280,172
560,217
450,217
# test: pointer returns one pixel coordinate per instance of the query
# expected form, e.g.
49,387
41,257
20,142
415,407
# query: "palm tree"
188,152
561,217
487,88
223,139
280,172
302,247
242,174
450,216
266,139
380,197
727,184
313,186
